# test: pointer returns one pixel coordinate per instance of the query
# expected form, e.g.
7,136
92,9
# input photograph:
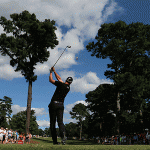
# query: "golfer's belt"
57,102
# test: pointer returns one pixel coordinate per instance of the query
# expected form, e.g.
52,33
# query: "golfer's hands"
53,69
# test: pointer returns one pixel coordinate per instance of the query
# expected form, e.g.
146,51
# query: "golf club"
61,54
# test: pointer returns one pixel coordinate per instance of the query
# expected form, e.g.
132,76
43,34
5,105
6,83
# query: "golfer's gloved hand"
51,70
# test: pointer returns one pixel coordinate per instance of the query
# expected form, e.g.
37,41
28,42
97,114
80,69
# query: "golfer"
56,106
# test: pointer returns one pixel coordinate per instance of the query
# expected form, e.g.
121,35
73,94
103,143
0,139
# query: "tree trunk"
101,126
29,106
80,131
118,111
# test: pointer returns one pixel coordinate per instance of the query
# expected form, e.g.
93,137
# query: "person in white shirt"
6,135
17,136
9,135
1,134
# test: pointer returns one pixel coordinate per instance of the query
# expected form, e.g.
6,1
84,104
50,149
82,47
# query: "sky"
77,24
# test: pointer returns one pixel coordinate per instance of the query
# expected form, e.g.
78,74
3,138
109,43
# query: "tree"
5,111
18,122
100,103
126,47
79,112
28,48
41,132
47,131
146,115
71,130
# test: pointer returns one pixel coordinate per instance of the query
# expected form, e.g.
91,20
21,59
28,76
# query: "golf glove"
50,70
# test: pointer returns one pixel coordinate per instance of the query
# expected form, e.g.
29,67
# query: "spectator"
144,138
21,137
24,138
13,136
149,138
132,140
141,138
127,139
1,134
146,141
120,139
138,138
17,136
4,136
30,136
116,140
98,140
105,139
9,135
27,138
112,140
135,138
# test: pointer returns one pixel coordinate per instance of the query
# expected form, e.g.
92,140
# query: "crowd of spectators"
142,138
8,136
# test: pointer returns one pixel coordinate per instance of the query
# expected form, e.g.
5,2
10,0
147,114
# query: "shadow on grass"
68,142
78,142
43,140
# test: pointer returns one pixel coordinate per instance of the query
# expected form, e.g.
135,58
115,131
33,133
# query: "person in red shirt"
144,137
116,139
140,138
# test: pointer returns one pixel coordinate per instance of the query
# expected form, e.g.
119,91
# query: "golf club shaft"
60,56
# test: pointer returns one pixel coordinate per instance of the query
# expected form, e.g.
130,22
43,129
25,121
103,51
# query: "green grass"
47,144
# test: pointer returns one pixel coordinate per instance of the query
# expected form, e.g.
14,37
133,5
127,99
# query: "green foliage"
47,131
126,46
41,132
5,111
33,44
146,115
79,111
18,122
71,130
101,100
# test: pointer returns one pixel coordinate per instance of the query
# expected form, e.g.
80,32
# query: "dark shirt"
60,92
27,136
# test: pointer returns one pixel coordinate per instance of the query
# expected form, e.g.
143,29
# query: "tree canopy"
126,46
18,122
26,49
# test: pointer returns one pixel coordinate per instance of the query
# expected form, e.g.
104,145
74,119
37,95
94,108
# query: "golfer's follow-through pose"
56,106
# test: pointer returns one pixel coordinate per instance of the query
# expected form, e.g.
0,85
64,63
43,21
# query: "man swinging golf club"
56,106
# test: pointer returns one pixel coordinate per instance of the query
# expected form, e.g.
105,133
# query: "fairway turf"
47,144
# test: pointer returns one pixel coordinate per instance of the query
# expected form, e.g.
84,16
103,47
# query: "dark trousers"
56,111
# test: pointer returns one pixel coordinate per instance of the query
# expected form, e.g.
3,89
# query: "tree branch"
6,51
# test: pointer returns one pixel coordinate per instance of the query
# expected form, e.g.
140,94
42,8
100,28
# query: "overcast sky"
77,22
